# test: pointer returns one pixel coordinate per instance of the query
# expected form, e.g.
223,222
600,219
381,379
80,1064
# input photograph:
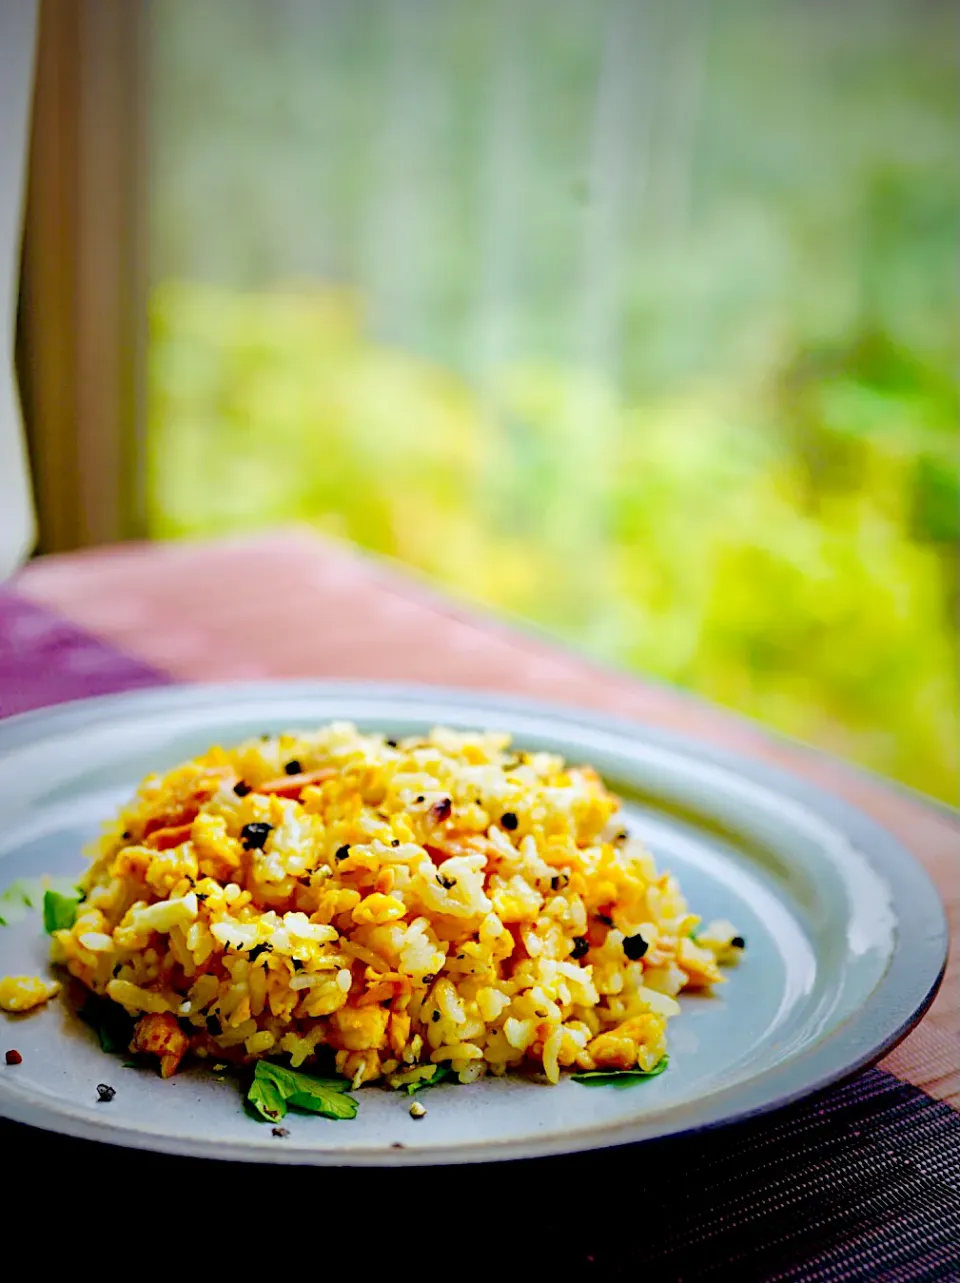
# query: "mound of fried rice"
443,900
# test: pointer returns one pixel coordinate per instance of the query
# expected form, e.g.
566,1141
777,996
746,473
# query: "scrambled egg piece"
23,993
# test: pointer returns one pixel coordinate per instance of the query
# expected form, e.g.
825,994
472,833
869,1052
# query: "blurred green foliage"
740,473
749,547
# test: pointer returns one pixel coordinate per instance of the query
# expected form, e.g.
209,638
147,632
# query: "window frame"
82,317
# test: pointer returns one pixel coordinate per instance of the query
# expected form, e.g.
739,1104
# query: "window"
635,320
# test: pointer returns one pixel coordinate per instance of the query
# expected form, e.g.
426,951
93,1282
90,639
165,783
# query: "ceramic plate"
846,937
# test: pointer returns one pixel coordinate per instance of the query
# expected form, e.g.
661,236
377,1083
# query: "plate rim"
897,1003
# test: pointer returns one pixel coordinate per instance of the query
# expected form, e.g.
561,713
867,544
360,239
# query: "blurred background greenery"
636,320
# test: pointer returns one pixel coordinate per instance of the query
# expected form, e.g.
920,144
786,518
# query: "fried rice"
442,900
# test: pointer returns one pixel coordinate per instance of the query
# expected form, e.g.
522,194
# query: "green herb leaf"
438,1075
621,1077
331,1104
59,910
275,1087
292,1081
28,893
267,1099
113,1026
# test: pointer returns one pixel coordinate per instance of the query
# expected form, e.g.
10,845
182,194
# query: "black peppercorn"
293,767
105,1092
581,946
635,947
342,853
241,788
509,820
738,942
254,836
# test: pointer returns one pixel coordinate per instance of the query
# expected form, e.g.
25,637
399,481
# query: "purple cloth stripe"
45,659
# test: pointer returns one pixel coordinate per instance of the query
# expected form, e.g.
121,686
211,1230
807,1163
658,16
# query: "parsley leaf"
275,1087
438,1075
60,910
331,1104
267,1099
621,1077
112,1025
28,893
